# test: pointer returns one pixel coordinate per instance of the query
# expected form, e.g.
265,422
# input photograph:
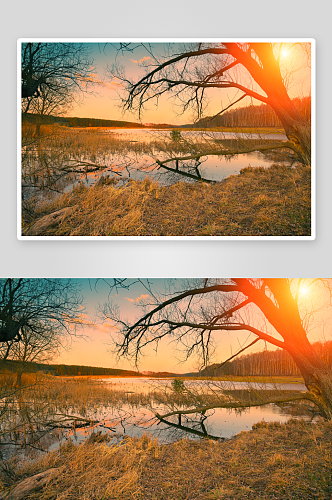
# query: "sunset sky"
94,349
105,102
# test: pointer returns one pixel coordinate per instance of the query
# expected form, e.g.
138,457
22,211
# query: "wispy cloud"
138,299
105,327
146,58
95,80
113,84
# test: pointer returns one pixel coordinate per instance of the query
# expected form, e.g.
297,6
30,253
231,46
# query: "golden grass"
94,143
102,211
272,379
72,394
289,461
258,202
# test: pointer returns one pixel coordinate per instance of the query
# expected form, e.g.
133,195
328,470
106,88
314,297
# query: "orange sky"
105,103
95,348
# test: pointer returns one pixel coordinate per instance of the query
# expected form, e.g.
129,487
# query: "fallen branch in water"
282,399
202,433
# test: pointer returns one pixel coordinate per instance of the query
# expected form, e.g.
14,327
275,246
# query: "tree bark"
297,129
316,375
285,318
268,76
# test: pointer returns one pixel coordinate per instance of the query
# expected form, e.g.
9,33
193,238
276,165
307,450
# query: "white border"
171,40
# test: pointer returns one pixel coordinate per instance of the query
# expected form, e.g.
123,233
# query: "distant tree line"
248,116
277,362
76,122
254,116
63,370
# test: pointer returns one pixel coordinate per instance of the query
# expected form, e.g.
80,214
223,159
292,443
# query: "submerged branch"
190,430
181,172
282,399
93,167
222,152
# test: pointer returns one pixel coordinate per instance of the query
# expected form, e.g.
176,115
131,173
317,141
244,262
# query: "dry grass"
95,143
258,202
273,461
66,395
101,211
29,414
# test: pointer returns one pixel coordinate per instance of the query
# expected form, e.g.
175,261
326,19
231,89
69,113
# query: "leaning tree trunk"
317,375
268,76
286,319
297,129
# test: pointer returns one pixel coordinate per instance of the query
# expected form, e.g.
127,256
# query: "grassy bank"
258,202
259,379
273,461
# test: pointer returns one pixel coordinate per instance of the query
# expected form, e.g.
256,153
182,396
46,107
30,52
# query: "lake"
213,168
219,423
58,163
61,409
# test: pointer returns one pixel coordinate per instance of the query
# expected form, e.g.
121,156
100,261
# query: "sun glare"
284,54
304,291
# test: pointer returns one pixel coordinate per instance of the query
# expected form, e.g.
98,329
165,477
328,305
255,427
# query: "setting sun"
284,54
165,115
304,291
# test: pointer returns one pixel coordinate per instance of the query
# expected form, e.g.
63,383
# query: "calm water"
212,167
146,385
137,416
219,423
147,135
138,165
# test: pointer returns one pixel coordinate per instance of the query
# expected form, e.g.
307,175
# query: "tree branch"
281,399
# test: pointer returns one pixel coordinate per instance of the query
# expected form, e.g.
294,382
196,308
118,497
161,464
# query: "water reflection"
146,385
56,163
142,135
139,406
218,423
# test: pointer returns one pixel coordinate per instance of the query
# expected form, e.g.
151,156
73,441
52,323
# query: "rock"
48,221
24,488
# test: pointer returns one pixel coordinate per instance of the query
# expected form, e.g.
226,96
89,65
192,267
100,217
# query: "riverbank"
273,461
258,379
258,202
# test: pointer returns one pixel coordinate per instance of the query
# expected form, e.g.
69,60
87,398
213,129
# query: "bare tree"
64,69
36,316
252,69
270,310
49,102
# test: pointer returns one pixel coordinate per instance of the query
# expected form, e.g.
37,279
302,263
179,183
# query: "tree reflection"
194,429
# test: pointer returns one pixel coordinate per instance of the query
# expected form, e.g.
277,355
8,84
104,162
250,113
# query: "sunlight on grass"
258,202
285,461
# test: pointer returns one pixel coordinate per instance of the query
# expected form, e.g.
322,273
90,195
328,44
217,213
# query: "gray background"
160,18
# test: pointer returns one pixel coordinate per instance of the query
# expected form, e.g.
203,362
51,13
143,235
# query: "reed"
291,461
258,202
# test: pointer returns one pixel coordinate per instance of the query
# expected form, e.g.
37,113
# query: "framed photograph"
178,389
166,138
